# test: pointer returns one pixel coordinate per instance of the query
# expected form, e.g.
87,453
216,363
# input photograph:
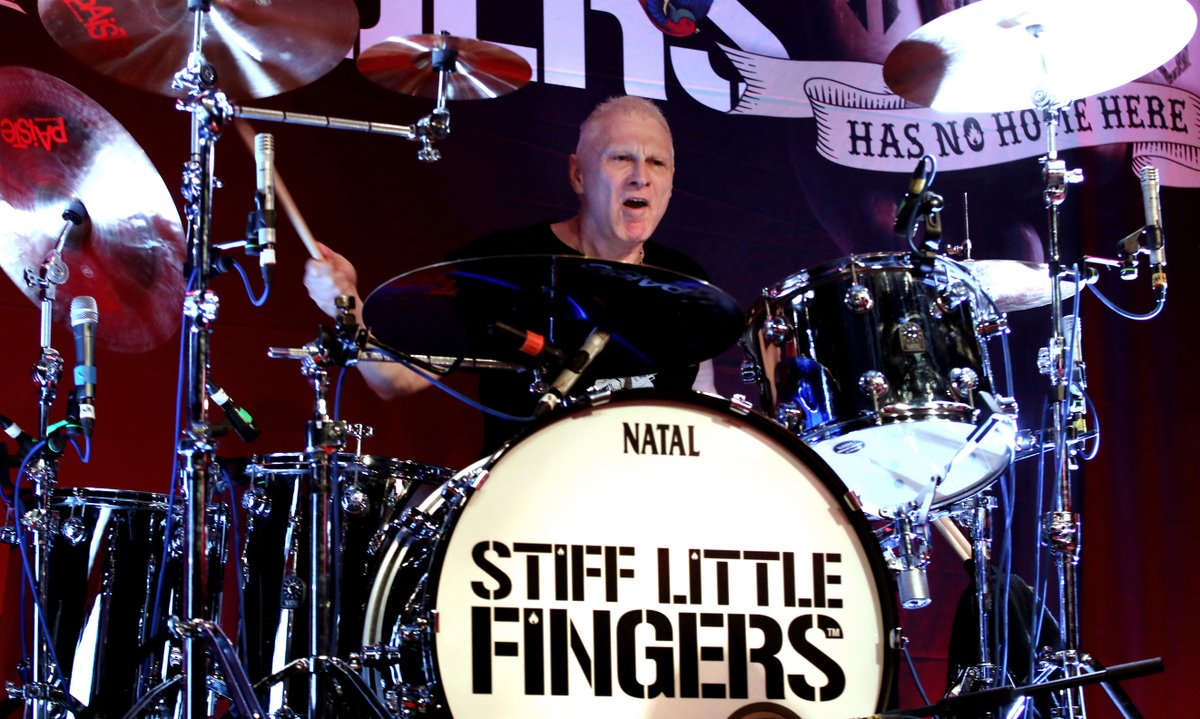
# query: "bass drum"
642,556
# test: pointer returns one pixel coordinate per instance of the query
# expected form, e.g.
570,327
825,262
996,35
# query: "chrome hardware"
355,501
256,502
750,372
955,295
738,403
858,299
73,530
359,432
791,416
776,331
874,384
991,326
963,381
912,337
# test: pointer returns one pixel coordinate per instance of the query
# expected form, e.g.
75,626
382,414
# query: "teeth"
636,202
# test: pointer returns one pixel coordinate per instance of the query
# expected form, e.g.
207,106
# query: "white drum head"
893,466
660,558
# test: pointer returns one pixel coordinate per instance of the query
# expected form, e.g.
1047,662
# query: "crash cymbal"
1000,55
57,144
259,49
409,65
1015,285
658,318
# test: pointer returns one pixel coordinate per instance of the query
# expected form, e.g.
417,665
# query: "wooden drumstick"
246,132
950,531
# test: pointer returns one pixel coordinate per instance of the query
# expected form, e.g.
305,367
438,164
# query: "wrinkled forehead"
621,128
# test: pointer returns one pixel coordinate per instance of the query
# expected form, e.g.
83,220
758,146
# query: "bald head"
615,108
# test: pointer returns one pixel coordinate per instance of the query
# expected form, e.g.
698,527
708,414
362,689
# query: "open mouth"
636,203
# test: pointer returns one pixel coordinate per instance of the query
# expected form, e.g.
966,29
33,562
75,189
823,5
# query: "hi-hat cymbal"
658,318
128,253
479,70
259,49
1001,55
1015,285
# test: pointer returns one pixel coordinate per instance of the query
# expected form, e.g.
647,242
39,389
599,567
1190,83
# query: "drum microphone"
264,162
1155,244
84,317
12,429
592,345
531,343
912,200
242,421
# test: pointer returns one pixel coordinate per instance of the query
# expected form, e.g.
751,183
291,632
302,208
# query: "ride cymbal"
478,70
258,49
1015,285
658,318
1002,55
57,145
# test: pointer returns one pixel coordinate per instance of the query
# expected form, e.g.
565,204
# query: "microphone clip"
260,218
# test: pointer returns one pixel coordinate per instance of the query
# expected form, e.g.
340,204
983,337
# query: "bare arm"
705,378
332,276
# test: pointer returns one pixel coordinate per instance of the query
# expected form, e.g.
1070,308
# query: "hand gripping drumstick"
246,132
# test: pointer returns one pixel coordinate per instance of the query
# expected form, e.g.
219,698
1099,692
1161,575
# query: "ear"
575,174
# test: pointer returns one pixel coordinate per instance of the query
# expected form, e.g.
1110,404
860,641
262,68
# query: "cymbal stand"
429,129
40,690
1061,526
976,514
209,110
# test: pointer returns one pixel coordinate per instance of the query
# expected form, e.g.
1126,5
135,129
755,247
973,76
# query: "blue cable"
1158,306
256,301
31,582
170,519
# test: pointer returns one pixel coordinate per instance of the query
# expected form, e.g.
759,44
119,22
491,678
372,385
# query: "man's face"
623,174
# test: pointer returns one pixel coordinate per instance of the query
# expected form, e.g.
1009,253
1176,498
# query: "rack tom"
879,362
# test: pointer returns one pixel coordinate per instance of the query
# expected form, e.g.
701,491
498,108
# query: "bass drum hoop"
425,594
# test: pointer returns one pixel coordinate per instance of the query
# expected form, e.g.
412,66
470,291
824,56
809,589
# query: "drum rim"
109,497
865,263
884,581
296,462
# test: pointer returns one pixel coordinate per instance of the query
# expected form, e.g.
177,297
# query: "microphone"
84,317
592,345
264,162
241,420
911,201
12,429
531,343
1155,244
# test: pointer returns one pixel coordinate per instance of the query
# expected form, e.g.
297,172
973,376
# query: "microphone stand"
40,691
326,436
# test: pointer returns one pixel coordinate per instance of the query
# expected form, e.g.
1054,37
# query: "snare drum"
371,492
104,565
881,366
649,556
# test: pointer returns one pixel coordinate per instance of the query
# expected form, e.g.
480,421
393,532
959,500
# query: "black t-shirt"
509,391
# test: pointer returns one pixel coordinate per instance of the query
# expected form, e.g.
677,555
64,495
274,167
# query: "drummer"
622,170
